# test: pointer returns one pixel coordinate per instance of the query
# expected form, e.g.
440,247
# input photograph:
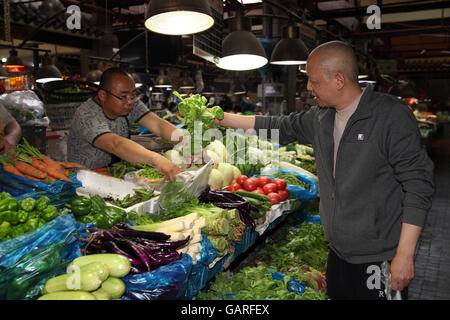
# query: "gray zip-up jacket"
383,175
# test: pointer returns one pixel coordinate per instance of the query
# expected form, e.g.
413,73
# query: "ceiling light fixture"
241,50
178,17
187,82
48,72
290,50
13,60
94,76
163,81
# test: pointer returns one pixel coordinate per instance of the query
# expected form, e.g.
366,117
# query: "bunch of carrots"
27,161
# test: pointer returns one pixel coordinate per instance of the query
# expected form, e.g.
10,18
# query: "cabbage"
218,148
215,179
227,172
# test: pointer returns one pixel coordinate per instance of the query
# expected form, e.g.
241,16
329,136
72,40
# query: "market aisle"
432,280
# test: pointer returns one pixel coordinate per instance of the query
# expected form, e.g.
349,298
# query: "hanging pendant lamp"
290,50
48,72
163,81
187,82
178,17
241,50
94,76
13,60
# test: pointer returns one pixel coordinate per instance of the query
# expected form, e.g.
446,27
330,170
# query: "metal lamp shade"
163,81
187,83
178,17
13,60
242,51
48,73
94,76
290,50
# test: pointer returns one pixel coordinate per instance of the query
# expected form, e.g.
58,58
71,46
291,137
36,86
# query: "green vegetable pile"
18,217
150,173
300,252
195,109
121,168
254,283
140,195
94,210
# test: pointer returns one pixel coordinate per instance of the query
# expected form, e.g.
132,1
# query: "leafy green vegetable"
140,195
194,113
254,283
121,168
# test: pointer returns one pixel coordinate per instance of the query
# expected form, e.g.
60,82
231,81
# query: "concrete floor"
432,264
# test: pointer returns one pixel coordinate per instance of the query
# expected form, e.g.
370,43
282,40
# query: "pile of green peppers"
18,217
94,210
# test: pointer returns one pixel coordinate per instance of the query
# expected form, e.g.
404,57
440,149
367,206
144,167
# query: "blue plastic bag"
53,231
15,182
199,275
159,283
298,192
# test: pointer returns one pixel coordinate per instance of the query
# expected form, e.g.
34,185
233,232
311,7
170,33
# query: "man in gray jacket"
375,178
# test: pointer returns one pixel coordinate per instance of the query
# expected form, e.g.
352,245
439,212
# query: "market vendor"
375,179
99,132
10,131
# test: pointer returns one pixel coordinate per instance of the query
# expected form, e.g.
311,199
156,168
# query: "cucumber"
119,266
87,281
257,196
100,268
253,201
114,287
68,295
101,294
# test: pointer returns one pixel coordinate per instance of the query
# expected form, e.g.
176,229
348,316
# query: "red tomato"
249,185
269,188
288,193
263,180
234,186
258,190
254,179
241,179
274,198
281,184
283,195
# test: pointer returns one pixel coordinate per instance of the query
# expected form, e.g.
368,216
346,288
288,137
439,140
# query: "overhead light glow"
240,62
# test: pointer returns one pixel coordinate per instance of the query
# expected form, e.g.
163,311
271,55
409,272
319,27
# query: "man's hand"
402,271
6,145
168,169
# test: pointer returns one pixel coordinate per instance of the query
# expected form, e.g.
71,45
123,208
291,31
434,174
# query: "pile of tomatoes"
275,189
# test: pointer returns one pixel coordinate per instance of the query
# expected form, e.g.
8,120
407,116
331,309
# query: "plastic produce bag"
199,275
61,228
16,182
26,278
26,107
162,283
298,192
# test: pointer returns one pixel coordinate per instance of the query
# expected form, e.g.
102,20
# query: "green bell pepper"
81,206
27,204
31,224
8,204
98,204
5,195
41,222
3,216
17,231
116,214
42,203
22,216
5,227
4,205
86,219
103,221
49,213
11,217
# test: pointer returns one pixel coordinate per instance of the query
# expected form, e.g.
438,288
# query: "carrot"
51,171
32,178
11,169
70,165
25,168
50,179
51,162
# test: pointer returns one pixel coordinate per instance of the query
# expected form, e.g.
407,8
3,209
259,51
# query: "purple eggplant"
114,248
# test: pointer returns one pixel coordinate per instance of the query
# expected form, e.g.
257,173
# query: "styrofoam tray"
94,183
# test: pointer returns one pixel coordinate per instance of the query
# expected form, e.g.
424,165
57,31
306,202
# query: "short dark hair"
108,74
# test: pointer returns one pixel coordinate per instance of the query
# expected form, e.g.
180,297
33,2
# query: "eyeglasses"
130,98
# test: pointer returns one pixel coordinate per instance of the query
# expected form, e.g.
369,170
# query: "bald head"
111,75
336,56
